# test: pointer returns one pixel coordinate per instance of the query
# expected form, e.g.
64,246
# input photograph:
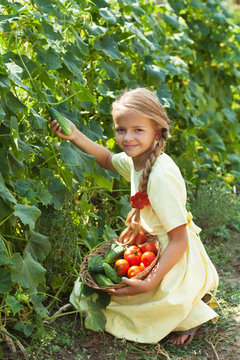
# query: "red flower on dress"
139,200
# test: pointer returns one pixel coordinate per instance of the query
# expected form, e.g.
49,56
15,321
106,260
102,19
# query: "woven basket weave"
86,277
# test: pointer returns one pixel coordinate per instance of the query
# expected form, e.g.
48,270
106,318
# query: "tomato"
142,266
133,271
122,267
147,258
149,247
142,238
133,255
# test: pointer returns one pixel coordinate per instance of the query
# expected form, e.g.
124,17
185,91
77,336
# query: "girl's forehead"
130,117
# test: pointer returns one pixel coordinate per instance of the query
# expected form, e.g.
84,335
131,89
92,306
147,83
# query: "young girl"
172,299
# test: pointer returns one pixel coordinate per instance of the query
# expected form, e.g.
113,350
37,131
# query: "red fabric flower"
139,200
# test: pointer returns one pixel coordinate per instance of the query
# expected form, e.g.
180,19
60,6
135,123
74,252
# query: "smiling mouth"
129,146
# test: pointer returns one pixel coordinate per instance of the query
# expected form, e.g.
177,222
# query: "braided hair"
145,103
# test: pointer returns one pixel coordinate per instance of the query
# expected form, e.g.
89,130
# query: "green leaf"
59,193
83,93
5,281
156,71
16,167
50,32
15,74
27,214
25,188
13,103
103,299
4,82
219,18
230,115
216,142
134,30
43,194
94,29
110,47
108,15
4,260
44,5
76,160
5,209
171,20
95,320
5,194
38,246
26,328
101,3
2,114
165,96
66,176
27,272
83,47
49,57
5,21
13,304
100,176
73,65
109,69
197,4
109,233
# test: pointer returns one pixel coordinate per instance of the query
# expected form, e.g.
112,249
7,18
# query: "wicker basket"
102,249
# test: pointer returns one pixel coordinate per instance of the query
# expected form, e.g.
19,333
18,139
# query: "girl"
172,299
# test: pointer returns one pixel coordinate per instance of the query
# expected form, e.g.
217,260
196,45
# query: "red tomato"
133,271
122,267
147,258
142,266
133,255
141,240
149,247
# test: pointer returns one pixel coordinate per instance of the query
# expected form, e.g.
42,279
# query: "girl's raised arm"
102,155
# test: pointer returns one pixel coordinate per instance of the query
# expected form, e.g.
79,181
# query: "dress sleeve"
123,164
167,195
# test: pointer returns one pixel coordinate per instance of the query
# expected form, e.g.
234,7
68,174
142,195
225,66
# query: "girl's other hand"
135,287
56,129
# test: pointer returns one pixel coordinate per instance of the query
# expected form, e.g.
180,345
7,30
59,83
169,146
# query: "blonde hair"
145,103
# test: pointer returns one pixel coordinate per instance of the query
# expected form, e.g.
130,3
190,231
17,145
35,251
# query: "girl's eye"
119,130
139,130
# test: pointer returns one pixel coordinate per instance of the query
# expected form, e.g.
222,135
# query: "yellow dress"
175,303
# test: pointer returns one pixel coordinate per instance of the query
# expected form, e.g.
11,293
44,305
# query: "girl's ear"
158,134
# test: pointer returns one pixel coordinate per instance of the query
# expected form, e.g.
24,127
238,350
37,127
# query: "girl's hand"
56,129
135,287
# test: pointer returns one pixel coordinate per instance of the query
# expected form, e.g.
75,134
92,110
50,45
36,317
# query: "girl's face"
135,135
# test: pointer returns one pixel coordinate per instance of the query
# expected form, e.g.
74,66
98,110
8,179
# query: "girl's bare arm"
178,242
102,155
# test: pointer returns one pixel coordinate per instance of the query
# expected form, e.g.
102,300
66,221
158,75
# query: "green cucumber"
95,264
111,273
66,127
102,280
114,253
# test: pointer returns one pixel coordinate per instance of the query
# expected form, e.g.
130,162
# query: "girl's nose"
128,136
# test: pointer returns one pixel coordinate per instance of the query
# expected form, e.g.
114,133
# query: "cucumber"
102,280
95,264
114,253
66,127
111,273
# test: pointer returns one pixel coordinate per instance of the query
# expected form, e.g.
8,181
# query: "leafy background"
56,203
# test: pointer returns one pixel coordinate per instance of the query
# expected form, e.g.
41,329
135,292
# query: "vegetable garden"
56,203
